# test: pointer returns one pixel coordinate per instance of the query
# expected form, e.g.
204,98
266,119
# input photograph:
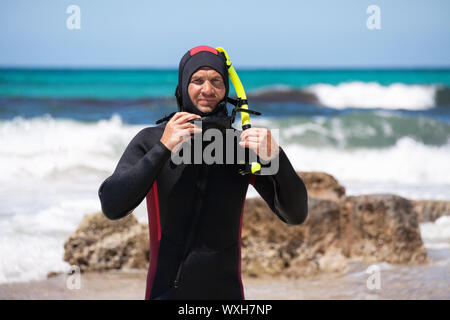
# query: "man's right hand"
178,130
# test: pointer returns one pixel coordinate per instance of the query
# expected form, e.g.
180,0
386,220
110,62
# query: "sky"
256,34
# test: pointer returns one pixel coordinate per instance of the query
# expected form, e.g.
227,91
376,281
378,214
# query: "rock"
101,244
333,261
321,185
264,240
373,228
281,95
431,210
381,228
271,247
53,274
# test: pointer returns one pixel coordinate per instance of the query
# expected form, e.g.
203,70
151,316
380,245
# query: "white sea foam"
436,235
374,95
44,147
408,168
31,244
51,171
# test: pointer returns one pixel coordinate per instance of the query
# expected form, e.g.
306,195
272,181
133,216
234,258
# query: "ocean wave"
32,244
406,164
58,149
356,94
436,235
374,95
44,147
362,129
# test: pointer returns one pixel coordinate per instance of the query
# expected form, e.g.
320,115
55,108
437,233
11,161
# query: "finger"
244,134
185,125
186,117
253,145
252,138
196,130
249,144
250,132
189,131
176,116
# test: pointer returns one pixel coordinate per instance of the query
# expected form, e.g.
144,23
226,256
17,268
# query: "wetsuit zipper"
191,237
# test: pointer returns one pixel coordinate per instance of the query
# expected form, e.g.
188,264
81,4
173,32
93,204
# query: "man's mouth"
206,100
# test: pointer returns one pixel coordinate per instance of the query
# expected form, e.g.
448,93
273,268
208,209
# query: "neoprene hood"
192,60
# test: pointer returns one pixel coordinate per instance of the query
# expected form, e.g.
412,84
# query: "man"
195,210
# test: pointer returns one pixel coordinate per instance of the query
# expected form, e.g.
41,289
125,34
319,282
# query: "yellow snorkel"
242,107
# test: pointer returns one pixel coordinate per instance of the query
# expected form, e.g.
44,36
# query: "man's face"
206,89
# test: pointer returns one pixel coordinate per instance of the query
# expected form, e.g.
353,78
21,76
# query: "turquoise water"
344,112
108,84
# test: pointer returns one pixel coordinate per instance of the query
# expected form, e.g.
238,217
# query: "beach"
397,283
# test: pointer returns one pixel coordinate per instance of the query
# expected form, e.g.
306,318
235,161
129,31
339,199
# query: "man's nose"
207,88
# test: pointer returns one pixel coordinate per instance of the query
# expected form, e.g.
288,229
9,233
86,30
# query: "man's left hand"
260,140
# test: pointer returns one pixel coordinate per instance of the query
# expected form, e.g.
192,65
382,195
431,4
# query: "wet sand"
431,281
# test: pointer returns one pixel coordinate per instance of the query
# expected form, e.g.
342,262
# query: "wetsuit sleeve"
133,177
284,192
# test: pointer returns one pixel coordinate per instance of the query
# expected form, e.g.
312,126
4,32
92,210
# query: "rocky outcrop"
431,210
369,227
321,185
381,228
271,247
284,95
101,244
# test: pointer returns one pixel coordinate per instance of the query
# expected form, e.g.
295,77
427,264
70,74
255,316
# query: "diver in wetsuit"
195,210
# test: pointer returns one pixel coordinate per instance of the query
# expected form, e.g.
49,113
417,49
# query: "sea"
62,132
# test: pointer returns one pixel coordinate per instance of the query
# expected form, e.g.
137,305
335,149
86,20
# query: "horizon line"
243,68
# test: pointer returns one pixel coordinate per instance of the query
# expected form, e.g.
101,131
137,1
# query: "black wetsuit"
177,193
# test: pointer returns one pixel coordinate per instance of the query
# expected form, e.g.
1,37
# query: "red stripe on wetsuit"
252,182
155,236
